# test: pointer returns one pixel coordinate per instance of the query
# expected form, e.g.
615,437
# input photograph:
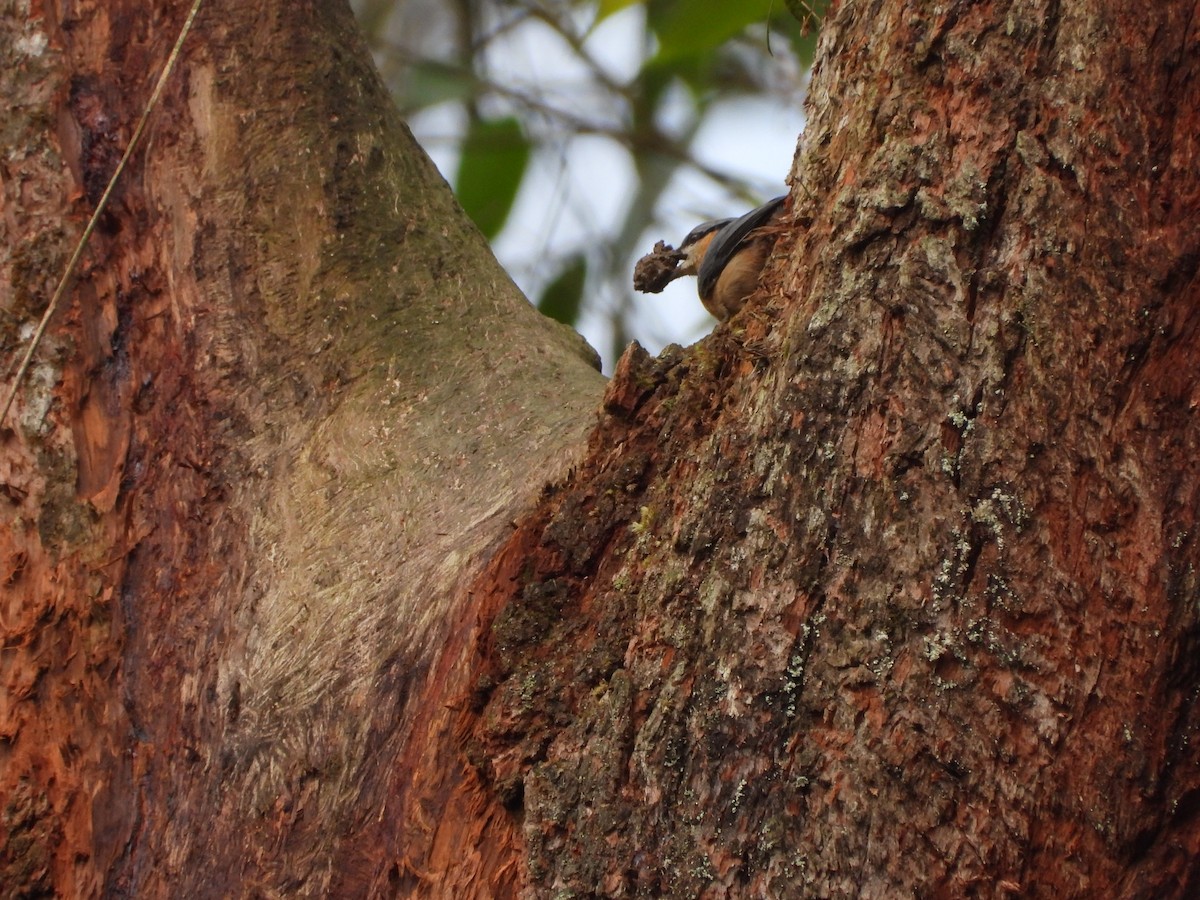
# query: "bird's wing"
728,239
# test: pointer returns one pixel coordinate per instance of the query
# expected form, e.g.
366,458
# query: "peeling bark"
887,588
293,404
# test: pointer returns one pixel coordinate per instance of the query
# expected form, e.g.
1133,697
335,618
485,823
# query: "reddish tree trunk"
889,587
292,405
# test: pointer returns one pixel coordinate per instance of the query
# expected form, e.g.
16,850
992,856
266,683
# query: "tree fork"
886,587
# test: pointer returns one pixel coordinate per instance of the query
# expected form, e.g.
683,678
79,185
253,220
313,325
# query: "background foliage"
576,134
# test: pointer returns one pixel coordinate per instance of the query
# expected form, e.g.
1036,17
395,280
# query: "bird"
727,257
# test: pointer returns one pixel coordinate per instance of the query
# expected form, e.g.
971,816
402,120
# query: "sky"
577,192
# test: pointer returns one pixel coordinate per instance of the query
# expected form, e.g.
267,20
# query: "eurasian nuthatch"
727,257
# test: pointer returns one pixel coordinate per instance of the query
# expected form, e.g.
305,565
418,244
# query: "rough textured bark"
293,403
889,587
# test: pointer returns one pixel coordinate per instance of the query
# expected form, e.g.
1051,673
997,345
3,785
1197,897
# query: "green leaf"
495,154
688,28
429,83
563,296
607,7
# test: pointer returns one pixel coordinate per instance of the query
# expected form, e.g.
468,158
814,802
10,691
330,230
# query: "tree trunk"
293,404
888,588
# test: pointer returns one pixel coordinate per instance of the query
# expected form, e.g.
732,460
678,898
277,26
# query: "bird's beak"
675,274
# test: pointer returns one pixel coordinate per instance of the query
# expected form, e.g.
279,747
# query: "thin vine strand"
69,271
